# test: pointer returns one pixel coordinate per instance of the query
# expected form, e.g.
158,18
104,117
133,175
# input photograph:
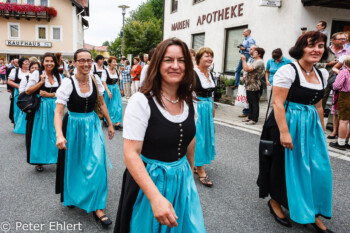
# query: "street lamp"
124,7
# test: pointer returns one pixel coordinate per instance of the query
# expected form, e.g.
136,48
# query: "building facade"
34,27
219,24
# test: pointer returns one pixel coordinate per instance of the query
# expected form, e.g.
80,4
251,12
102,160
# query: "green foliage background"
142,31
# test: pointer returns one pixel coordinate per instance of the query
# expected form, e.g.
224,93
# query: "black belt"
208,93
112,81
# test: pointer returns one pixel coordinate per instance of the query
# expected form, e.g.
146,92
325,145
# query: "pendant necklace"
307,72
171,101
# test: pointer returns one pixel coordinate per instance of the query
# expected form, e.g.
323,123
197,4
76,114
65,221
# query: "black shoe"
105,223
332,137
337,146
71,206
319,230
283,221
39,168
118,127
105,124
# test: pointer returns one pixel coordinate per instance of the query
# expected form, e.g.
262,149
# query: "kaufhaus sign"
28,43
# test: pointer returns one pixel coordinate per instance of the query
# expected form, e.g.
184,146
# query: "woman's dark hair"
34,63
111,58
150,53
153,82
99,57
58,58
261,52
277,54
137,59
21,60
75,57
313,37
55,69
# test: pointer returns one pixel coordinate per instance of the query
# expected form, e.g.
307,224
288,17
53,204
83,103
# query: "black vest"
17,80
200,91
165,140
80,104
304,95
111,81
49,89
99,73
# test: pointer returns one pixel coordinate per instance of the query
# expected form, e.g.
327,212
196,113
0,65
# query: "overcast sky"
106,20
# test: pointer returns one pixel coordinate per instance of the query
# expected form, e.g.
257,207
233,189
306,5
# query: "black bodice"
17,80
202,92
80,104
49,89
304,95
99,73
111,81
165,140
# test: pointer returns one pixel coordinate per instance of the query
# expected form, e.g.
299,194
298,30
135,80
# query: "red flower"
25,8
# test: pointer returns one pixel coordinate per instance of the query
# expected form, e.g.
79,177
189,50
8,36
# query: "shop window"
234,37
174,5
41,32
14,31
12,1
198,41
44,2
56,33
197,1
32,2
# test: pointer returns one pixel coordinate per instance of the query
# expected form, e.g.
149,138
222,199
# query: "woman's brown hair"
58,58
153,79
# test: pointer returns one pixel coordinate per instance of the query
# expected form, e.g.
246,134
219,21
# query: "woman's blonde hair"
202,51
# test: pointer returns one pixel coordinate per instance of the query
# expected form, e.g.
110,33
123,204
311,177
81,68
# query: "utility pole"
123,7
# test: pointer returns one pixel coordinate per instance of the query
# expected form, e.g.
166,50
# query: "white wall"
271,27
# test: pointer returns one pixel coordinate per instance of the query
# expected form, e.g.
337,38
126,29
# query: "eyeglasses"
341,39
83,61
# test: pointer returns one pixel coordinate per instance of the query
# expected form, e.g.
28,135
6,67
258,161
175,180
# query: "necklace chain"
307,72
171,101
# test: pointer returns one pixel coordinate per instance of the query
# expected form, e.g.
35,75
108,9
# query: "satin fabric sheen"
308,169
175,182
85,172
205,135
114,105
16,109
43,148
20,119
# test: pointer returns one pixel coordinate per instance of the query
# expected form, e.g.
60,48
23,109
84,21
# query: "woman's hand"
268,83
42,78
286,141
109,94
44,94
164,212
61,143
110,131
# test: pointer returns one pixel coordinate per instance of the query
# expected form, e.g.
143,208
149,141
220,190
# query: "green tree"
106,43
115,48
93,53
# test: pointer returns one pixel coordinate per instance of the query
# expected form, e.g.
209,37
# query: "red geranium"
25,8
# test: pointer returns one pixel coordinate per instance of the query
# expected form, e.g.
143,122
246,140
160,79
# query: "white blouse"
285,77
65,90
138,112
103,76
21,74
114,76
64,66
22,85
204,81
34,78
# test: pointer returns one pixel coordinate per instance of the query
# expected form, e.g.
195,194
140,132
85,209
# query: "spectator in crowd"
2,71
347,42
121,85
126,78
338,44
245,111
145,59
135,76
141,63
342,84
273,64
70,68
244,50
145,68
321,27
33,59
253,83
193,56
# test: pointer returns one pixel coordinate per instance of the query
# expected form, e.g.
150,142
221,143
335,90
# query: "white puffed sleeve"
64,91
284,77
195,111
33,79
104,76
12,74
325,75
136,117
101,88
23,84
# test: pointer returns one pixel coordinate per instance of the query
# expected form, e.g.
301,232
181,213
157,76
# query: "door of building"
340,26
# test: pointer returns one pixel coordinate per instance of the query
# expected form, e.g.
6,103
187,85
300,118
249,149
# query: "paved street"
232,205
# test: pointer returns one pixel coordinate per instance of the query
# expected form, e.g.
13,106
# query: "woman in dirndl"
98,67
81,174
14,80
62,66
158,191
298,174
112,96
205,134
40,131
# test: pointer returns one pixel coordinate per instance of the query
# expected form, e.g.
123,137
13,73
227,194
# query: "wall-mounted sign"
28,43
220,15
273,3
180,25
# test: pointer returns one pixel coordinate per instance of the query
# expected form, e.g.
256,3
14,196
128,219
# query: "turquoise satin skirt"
308,169
21,123
115,104
85,172
175,182
43,148
205,135
16,109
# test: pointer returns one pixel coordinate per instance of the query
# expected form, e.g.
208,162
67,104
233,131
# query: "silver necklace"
171,101
306,72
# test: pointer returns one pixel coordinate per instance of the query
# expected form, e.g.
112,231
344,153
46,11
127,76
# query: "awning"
342,4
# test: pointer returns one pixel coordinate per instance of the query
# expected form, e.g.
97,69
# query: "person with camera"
244,50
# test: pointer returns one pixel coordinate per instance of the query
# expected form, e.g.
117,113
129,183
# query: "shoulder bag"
98,109
28,103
